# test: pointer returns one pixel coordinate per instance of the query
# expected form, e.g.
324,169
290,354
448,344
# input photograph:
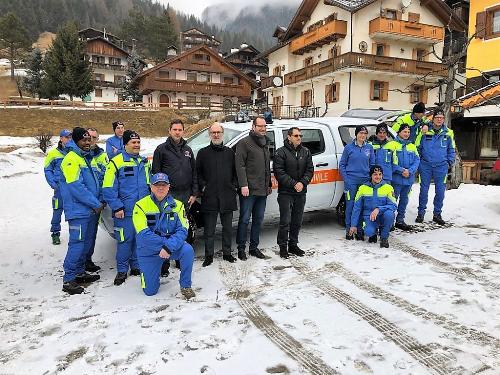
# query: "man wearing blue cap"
52,172
162,227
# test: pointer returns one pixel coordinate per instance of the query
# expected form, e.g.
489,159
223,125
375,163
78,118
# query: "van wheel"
341,212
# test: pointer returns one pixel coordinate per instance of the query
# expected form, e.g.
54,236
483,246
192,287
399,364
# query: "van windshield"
347,133
202,139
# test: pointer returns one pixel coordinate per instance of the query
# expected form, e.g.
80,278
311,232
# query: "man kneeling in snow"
161,226
375,201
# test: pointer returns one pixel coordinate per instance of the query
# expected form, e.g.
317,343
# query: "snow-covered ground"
427,305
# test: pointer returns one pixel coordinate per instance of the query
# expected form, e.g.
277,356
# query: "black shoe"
71,287
86,278
209,259
403,226
384,242
284,252
438,219
91,266
165,269
229,258
242,255
135,272
120,278
372,239
178,264
419,219
349,236
393,228
257,253
359,237
56,240
295,250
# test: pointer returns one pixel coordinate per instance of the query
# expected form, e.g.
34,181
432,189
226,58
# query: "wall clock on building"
363,46
277,81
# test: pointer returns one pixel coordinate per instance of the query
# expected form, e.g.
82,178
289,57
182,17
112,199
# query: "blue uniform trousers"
439,174
126,247
401,192
151,268
57,210
81,238
384,222
350,191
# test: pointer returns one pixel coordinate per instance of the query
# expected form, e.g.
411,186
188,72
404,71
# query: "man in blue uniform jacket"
114,144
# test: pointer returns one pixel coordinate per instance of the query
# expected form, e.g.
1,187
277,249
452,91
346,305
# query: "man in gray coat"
254,177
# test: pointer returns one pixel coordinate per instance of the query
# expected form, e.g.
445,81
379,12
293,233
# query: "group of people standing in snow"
421,145
148,202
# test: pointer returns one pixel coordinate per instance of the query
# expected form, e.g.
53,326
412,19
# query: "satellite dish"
406,3
277,81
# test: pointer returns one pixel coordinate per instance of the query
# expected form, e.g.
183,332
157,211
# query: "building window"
98,77
115,61
391,14
191,77
228,80
191,101
380,49
413,17
418,93
98,93
163,74
420,54
201,58
379,90
98,59
495,22
204,77
119,79
490,141
205,101
334,52
306,98
488,24
308,61
332,92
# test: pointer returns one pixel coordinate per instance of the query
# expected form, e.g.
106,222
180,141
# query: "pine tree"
130,86
33,80
66,68
14,38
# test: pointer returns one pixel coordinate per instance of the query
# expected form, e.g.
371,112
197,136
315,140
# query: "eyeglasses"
297,135
216,133
260,126
439,117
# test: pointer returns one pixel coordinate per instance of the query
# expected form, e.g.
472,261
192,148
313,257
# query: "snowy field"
427,305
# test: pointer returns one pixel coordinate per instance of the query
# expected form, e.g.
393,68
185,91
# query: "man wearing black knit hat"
114,144
416,120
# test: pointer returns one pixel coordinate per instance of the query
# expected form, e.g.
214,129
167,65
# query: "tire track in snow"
235,279
436,362
470,334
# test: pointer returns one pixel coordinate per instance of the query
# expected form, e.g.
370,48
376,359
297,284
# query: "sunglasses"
297,135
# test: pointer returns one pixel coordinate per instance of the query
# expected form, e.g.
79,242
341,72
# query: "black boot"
403,226
419,219
372,239
209,259
91,266
349,236
384,242
86,278
284,252
438,219
359,236
56,240
135,272
178,264
257,253
120,278
229,258
295,250
71,287
165,269
242,255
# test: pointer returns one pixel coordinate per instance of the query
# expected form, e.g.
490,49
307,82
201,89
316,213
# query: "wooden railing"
318,37
99,83
400,29
267,82
368,62
98,65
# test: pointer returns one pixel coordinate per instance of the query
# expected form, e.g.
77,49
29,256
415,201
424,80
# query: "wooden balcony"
99,83
267,82
150,84
316,38
388,29
97,65
352,61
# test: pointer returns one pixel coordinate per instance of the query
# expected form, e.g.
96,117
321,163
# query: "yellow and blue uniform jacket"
80,187
52,167
159,225
101,162
370,196
437,147
126,181
384,152
405,157
415,125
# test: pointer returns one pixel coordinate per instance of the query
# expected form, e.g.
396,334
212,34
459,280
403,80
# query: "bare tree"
43,139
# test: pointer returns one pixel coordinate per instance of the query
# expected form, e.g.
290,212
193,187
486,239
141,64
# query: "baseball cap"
159,177
65,133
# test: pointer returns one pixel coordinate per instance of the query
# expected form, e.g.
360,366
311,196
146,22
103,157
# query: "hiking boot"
359,237
188,293
372,239
135,272
165,269
209,259
242,255
86,278
284,252
419,219
91,266
349,236
120,278
71,287
438,219
403,226
384,242
257,253
56,240
229,258
295,250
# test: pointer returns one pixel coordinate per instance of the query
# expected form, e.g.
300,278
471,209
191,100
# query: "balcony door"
164,100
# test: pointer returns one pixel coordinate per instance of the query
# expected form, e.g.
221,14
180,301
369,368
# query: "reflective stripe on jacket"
52,166
405,157
415,126
101,162
437,147
384,157
371,196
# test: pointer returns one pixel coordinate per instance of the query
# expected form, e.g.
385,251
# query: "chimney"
104,34
171,51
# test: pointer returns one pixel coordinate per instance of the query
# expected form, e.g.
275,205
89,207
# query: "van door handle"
321,164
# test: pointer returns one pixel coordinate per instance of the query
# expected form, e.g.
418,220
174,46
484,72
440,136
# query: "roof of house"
480,96
114,46
194,30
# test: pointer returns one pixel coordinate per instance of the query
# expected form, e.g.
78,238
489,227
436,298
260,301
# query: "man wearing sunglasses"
293,168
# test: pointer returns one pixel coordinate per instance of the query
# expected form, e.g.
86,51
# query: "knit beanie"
403,127
419,108
360,128
438,112
380,127
79,133
128,135
116,123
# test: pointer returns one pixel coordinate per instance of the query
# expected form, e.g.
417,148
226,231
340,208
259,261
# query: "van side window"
312,139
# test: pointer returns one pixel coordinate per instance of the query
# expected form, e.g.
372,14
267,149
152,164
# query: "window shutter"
413,17
387,50
481,25
337,91
399,15
372,87
328,92
338,51
424,95
385,92
374,48
302,96
414,54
